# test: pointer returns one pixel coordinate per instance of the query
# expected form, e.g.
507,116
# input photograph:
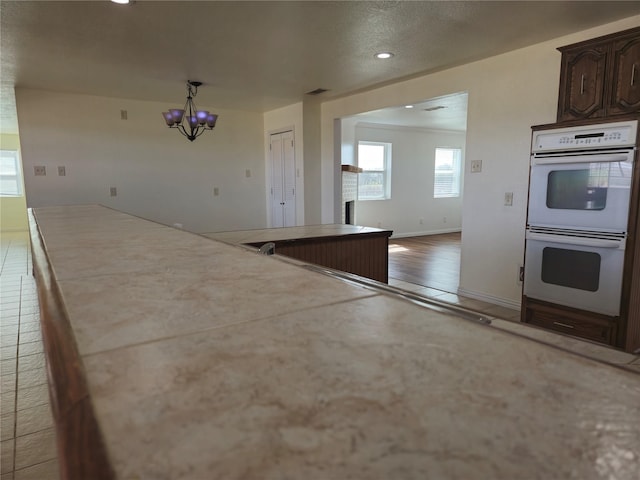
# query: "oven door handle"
553,160
578,241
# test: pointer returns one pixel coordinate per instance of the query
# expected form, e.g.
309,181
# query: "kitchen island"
359,250
174,356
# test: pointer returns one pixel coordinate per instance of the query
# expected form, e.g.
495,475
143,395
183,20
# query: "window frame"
16,178
386,170
456,174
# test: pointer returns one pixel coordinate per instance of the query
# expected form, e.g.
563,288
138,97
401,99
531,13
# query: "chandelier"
190,121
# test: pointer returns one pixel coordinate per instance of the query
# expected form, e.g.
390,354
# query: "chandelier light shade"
190,121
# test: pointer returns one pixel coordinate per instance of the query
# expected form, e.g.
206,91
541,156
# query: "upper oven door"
581,190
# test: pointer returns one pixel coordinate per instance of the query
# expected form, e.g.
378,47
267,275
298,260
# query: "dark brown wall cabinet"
600,77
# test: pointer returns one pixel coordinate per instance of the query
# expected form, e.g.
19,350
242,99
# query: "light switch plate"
40,170
508,199
62,171
476,166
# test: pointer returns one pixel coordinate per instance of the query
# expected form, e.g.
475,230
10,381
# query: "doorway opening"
424,202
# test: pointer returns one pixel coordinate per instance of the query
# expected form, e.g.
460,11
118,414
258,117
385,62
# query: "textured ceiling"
263,55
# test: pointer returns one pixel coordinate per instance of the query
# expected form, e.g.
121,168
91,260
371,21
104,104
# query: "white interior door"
283,180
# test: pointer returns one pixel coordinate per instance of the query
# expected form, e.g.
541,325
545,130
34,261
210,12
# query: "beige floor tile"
7,426
29,327
9,299
10,329
8,353
49,470
28,308
30,348
9,289
35,419
28,337
8,340
412,287
8,367
35,448
32,396
7,402
8,383
9,320
6,452
32,378
31,362
428,292
10,312
9,283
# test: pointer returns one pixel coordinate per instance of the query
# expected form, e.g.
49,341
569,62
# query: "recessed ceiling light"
383,55
408,106
121,2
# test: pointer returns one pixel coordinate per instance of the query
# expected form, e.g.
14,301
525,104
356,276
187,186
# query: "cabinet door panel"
582,84
625,91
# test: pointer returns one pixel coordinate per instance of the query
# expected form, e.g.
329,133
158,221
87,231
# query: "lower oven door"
582,272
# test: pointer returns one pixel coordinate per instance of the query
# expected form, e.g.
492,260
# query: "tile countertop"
205,360
292,233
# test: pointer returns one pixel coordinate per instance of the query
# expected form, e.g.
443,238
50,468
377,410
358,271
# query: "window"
374,183
10,180
446,181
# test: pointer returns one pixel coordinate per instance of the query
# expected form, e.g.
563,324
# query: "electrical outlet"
113,191
216,191
40,171
508,199
62,171
520,274
476,166
247,173
422,221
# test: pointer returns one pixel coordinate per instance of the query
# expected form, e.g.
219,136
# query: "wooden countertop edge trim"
81,448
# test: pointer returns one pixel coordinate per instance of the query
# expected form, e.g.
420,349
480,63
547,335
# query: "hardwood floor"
428,260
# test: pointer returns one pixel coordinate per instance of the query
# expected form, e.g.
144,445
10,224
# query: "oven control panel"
606,135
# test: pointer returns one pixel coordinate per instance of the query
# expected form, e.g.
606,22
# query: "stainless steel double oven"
577,223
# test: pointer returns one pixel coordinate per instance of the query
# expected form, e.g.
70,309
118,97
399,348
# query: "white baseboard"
430,232
503,302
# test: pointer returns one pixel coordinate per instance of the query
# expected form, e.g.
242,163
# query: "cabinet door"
582,83
624,95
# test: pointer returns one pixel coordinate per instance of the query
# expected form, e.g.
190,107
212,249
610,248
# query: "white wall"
507,95
158,173
411,210
348,141
280,120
